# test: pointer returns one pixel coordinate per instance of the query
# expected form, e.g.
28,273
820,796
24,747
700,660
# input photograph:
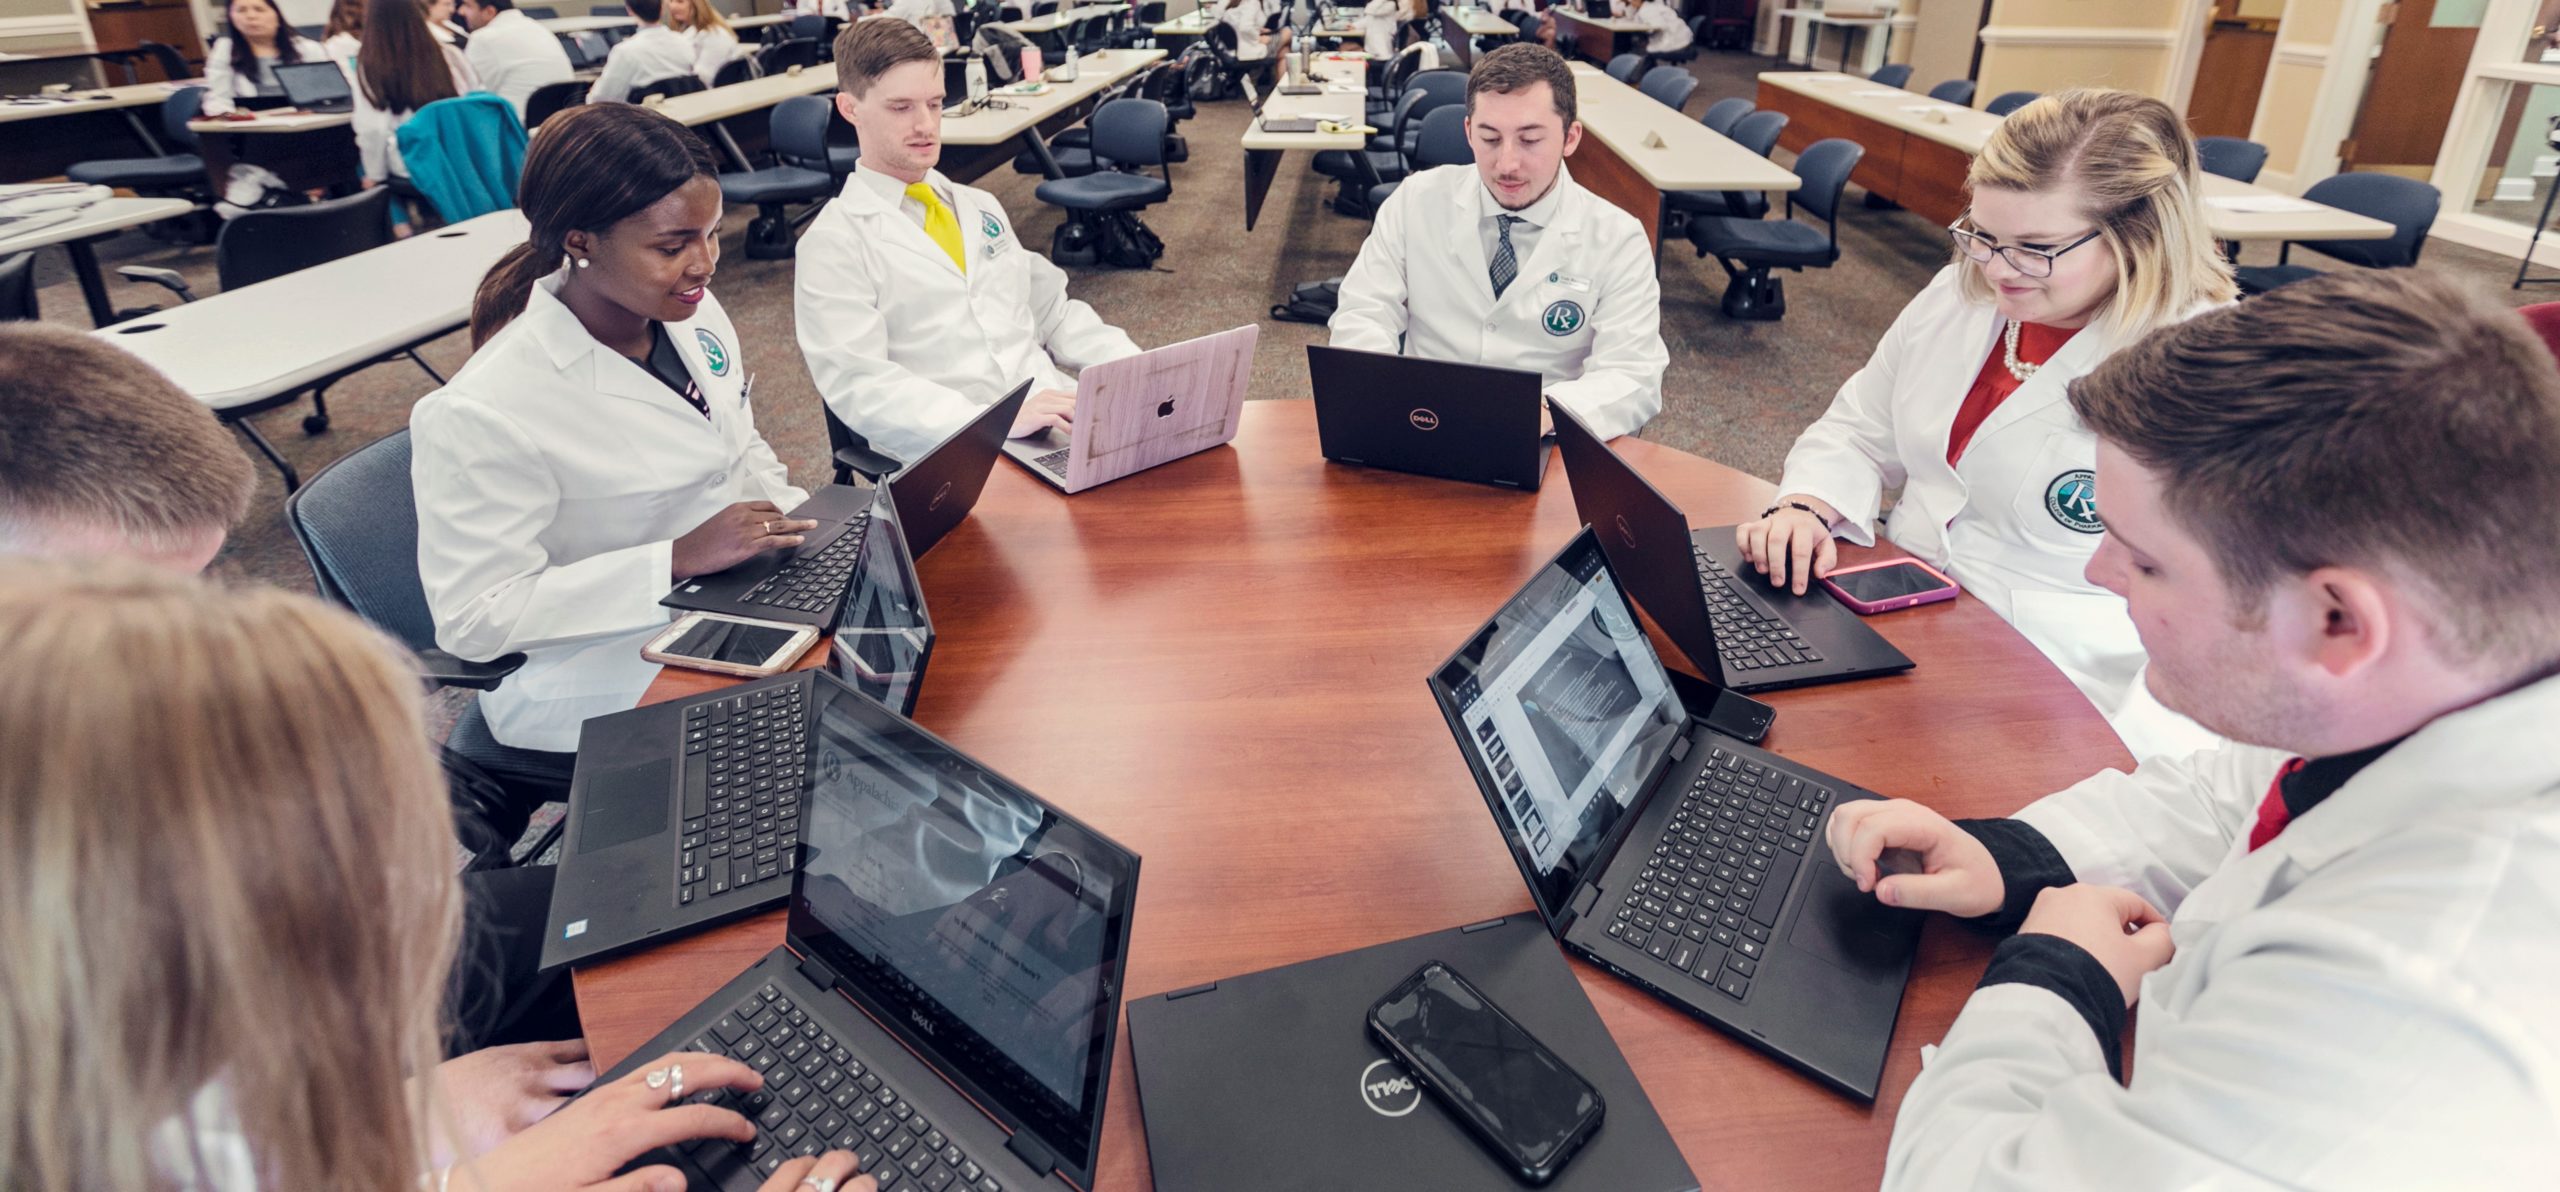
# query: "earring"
582,262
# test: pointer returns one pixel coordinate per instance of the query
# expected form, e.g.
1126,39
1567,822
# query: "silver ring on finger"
819,1182
765,528
656,1079
675,1083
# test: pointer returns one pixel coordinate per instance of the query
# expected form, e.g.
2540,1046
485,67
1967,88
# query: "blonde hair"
229,868
706,15
2133,164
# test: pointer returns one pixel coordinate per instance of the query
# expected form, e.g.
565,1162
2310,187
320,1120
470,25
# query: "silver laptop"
1139,411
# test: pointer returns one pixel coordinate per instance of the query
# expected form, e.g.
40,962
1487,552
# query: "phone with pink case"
1882,587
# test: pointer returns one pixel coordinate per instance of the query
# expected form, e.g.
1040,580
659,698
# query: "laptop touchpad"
632,806
1852,930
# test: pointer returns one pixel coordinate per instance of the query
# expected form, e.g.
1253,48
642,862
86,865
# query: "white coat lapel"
1555,240
1466,217
892,226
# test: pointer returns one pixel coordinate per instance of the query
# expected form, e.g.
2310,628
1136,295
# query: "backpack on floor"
1310,302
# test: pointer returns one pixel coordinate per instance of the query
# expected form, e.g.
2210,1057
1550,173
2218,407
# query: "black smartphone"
1722,708
1527,1108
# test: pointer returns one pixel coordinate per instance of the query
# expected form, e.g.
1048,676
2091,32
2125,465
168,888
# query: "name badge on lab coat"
994,230
1579,285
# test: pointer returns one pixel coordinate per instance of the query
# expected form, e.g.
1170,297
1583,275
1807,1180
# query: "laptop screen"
1566,716
884,636
982,926
314,84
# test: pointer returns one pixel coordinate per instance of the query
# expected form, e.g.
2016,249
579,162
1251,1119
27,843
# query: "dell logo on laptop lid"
1423,420
1387,1091
939,495
1626,533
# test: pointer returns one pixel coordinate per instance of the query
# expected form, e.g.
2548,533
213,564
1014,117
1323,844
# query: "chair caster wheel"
770,240
1764,302
313,424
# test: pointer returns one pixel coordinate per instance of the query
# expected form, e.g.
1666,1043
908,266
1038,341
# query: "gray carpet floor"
1737,393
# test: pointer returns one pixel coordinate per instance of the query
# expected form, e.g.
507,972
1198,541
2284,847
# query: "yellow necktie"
940,224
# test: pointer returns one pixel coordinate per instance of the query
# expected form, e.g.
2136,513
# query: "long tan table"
1460,27
41,136
308,150
1597,38
1220,664
77,231
1345,99
1635,149
1919,149
984,138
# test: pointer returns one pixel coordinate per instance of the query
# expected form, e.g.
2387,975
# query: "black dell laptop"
947,999
1315,1074
1747,636
319,87
806,584
1681,859
1433,417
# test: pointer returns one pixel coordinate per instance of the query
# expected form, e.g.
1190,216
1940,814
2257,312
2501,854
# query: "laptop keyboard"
811,583
1055,463
1748,639
1708,901
818,1097
746,762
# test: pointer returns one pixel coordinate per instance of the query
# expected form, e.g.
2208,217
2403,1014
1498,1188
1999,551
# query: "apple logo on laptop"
1423,420
1165,410
1387,1091
938,495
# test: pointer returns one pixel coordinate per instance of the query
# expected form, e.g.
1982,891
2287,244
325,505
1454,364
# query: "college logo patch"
714,353
1563,317
995,231
2072,499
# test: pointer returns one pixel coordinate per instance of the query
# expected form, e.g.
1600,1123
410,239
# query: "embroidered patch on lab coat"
2072,499
1563,317
714,353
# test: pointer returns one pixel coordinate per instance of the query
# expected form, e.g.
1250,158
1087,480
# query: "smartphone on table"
1529,1110
730,645
1881,587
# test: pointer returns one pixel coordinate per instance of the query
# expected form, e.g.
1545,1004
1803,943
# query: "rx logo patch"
714,353
1387,1091
994,230
2072,499
1563,317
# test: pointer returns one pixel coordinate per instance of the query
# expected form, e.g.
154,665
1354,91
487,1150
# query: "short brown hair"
2384,419
872,47
1519,65
91,435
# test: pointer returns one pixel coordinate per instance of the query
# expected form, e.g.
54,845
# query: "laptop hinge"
1029,1150
1679,747
1583,897
816,972
1487,925
1179,994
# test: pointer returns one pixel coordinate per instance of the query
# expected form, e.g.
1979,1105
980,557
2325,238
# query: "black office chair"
1441,142
539,12
2236,158
1757,132
781,56
178,173
668,87
1669,84
1389,155
738,70
1103,205
1169,84
173,65
1954,91
1527,24
18,288
551,99
1220,43
1749,248
608,10
1072,149
1721,114
2010,101
615,35
1625,67
2407,204
1896,75
802,174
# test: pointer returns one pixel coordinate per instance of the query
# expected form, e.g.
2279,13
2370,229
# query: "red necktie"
2272,815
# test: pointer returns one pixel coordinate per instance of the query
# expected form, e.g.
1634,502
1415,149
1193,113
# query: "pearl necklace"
2024,372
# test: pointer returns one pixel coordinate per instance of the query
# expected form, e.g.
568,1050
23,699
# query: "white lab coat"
378,131
1378,24
1998,522
2366,1002
903,347
553,477
824,8
1585,310
224,87
1670,33
1248,19
712,50
655,52
516,57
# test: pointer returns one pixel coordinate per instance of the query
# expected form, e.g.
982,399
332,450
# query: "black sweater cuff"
2029,865
2052,962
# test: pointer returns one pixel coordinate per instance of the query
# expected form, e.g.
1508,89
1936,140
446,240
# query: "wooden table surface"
1220,663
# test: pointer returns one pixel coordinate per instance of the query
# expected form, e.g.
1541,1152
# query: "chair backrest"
539,12
1130,132
357,522
2236,158
1624,67
1152,12
781,56
2544,318
809,26
1400,71
672,85
1444,139
2010,101
739,70
1721,115
1758,132
1824,167
1042,8
182,105
172,63
257,245
2407,204
1670,85
18,288
550,99
1221,41
1420,101
1441,84
799,131
1955,91
608,10
1896,74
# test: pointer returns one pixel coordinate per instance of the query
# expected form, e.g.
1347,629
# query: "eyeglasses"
2032,262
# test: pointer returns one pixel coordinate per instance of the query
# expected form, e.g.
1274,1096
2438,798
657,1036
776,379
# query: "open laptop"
1316,1075
1740,631
1433,417
1254,97
316,86
884,637
1681,859
806,584
1139,411
946,1000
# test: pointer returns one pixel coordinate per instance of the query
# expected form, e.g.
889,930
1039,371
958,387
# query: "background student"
401,69
1257,44
2327,517
2085,232
242,63
1669,33
652,54
715,44
344,34
1513,264
599,445
513,55
918,306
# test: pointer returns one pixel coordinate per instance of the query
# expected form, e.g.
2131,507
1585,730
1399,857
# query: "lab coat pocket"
1563,304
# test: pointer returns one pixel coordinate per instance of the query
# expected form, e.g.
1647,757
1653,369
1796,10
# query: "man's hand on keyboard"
736,534
1954,872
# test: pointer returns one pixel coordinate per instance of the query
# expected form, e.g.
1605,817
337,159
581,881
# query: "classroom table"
308,150
246,350
975,141
1875,30
1918,150
1597,38
572,26
78,230
1052,29
43,135
753,96
1177,34
1461,26
1635,149
1220,664
1345,98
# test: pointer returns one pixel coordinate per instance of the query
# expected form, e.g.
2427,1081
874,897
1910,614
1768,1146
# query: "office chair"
179,173
1749,248
738,70
1954,91
1896,75
1757,132
2010,101
781,56
539,12
2407,204
801,174
1442,141
668,87
608,10
1670,85
1624,67
2236,158
1129,133
808,26
1721,114
1072,148
551,99
18,288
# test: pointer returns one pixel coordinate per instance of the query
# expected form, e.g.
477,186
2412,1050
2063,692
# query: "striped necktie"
1506,263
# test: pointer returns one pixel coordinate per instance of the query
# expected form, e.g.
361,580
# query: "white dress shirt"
515,56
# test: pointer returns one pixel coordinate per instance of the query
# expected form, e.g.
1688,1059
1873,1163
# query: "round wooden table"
1220,663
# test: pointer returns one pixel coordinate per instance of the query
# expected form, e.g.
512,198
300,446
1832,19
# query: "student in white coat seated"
599,446
513,55
918,306
242,63
715,44
932,16
2086,231
1511,263
400,69
2331,510
344,34
648,56
1670,33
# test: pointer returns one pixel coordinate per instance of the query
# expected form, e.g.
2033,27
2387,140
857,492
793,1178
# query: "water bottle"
977,72
1030,64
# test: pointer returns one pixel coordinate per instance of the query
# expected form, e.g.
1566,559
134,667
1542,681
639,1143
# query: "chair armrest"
867,463
445,670
167,279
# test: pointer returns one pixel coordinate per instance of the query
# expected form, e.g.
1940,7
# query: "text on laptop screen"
979,924
1569,713
883,636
